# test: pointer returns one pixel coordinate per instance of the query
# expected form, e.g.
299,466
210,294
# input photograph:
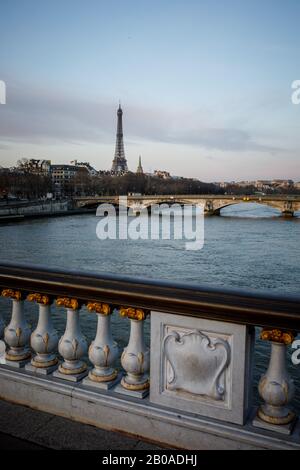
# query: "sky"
205,85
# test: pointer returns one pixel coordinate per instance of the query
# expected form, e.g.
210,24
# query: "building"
35,166
140,170
263,185
162,174
62,176
244,184
85,165
4,171
119,164
282,183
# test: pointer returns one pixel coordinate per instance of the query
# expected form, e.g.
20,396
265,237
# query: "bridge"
213,204
189,387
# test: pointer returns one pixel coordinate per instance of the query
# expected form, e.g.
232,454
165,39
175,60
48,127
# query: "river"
248,247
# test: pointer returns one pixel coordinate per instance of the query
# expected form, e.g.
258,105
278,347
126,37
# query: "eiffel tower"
119,164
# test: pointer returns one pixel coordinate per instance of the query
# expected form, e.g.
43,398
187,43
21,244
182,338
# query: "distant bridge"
286,204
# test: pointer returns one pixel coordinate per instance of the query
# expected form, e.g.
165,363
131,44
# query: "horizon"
205,88
72,162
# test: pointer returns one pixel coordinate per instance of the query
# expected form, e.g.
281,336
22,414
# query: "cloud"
226,139
48,116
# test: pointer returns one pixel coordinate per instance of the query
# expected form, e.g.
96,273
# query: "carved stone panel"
201,366
196,363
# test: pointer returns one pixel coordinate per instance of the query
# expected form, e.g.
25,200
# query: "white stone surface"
276,387
140,394
138,417
70,377
102,385
44,339
73,344
40,370
17,332
201,366
103,351
135,358
208,360
17,364
282,428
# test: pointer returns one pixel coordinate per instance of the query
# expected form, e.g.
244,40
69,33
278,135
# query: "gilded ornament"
133,313
97,307
21,357
67,303
43,365
12,294
39,298
135,387
278,336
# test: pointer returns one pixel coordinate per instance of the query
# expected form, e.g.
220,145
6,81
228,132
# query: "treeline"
251,189
27,186
108,185
34,186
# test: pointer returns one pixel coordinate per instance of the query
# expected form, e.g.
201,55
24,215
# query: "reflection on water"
255,211
248,247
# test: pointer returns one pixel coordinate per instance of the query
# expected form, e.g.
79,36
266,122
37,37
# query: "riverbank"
37,215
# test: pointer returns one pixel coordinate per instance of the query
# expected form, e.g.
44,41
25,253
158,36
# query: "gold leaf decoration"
39,298
18,332
278,336
75,345
46,338
12,294
106,352
67,303
104,309
133,313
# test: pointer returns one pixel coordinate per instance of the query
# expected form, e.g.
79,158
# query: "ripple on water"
259,252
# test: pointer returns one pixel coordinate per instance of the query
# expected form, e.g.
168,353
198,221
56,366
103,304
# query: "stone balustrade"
39,351
197,371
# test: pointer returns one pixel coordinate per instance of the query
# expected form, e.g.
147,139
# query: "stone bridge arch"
212,204
286,207
170,201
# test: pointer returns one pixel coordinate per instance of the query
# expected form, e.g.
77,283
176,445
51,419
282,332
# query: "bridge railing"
288,205
200,360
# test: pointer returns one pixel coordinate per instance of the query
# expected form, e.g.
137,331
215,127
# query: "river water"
248,247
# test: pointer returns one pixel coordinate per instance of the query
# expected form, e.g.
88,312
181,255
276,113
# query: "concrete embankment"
20,211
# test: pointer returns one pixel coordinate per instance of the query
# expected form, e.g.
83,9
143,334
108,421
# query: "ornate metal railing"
201,341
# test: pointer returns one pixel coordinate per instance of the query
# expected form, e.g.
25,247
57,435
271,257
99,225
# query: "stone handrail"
201,353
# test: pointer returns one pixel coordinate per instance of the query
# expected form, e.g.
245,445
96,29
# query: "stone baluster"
44,339
288,210
276,387
135,358
103,351
17,333
2,326
72,345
